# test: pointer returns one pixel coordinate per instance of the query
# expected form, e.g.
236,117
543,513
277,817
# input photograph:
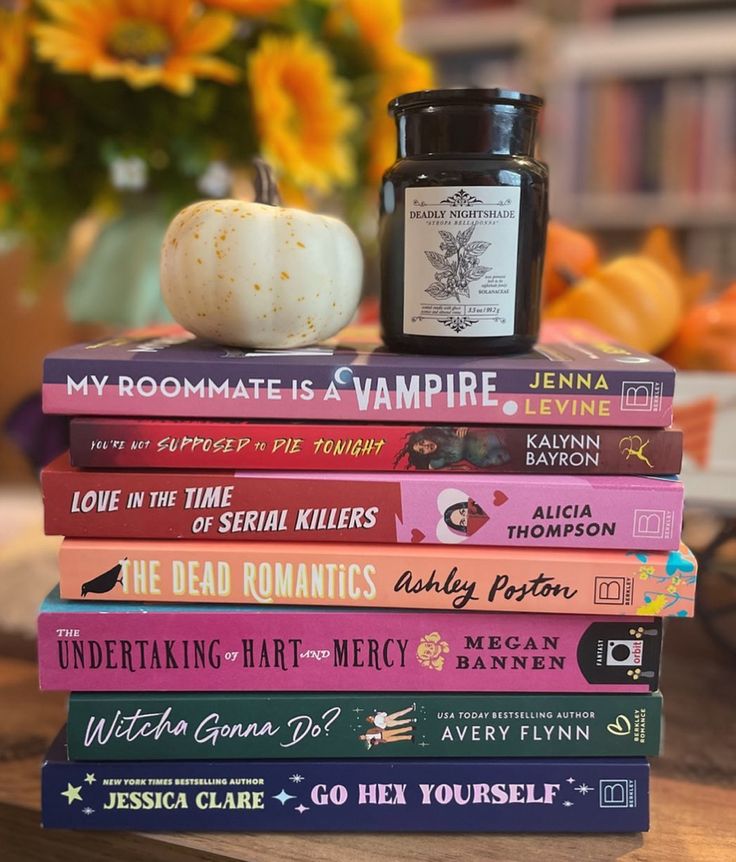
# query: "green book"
207,726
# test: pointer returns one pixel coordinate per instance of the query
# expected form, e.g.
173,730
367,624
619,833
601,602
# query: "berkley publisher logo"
613,591
617,793
620,727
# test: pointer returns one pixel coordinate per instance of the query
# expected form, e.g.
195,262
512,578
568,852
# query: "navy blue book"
469,795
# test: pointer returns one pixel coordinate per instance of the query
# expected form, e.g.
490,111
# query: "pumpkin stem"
265,185
567,275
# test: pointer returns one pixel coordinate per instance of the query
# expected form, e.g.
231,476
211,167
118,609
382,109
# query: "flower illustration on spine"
457,264
431,649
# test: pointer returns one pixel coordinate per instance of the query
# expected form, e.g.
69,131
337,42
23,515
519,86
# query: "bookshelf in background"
640,127
480,45
641,130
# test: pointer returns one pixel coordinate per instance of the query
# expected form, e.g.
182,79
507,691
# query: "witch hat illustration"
105,582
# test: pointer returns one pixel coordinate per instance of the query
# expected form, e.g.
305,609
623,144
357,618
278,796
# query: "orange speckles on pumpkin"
196,235
334,305
300,244
218,209
199,260
284,276
256,286
220,276
223,236
232,280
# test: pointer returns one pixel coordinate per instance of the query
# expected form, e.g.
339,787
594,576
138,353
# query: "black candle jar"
463,224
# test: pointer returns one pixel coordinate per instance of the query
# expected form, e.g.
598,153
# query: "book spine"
556,511
381,576
344,796
325,392
249,726
174,648
180,444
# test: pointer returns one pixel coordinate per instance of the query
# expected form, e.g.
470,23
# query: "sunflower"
250,8
13,51
146,43
375,22
302,113
405,73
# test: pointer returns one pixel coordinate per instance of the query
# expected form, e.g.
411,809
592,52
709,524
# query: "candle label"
460,260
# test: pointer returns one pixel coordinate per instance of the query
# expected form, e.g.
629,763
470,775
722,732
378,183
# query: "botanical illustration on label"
460,247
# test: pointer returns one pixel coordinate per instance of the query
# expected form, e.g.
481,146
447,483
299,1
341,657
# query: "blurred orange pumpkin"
660,246
707,337
633,299
569,255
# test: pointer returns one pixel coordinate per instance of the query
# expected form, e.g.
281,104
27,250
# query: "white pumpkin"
252,275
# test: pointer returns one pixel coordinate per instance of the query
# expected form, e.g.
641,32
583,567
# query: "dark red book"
191,444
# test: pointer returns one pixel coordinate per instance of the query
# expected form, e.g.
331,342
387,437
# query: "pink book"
430,508
124,647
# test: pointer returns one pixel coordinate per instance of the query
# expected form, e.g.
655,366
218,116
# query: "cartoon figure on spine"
393,727
448,448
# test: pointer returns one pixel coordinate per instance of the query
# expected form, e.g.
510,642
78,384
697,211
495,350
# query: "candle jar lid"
480,121
464,97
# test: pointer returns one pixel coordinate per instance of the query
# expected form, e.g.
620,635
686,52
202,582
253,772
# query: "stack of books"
358,590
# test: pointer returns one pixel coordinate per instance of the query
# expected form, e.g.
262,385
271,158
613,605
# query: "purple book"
559,382
471,795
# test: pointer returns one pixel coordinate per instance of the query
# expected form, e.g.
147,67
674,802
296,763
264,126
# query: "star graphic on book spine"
301,808
283,797
583,789
570,780
568,804
296,778
90,778
72,793
88,811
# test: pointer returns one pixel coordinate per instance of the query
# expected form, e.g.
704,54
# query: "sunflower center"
143,41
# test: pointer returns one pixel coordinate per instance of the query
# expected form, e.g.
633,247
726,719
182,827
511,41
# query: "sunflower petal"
178,78
207,33
213,68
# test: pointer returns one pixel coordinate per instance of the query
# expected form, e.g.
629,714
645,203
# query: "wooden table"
693,790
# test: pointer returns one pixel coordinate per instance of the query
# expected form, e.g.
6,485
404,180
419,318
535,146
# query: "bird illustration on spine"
106,581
